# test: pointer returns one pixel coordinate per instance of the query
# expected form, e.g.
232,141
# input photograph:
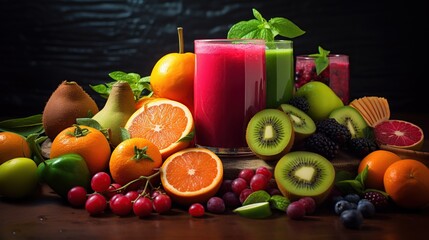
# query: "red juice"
336,75
229,88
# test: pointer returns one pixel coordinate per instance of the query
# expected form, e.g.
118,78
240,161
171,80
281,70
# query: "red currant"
162,203
100,182
132,195
95,204
142,207
196,210
121,205
77,196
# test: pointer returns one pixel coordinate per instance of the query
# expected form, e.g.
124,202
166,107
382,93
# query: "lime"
254,210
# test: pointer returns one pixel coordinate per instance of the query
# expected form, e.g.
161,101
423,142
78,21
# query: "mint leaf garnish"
139,85
260,28
321,60
256,197
279,202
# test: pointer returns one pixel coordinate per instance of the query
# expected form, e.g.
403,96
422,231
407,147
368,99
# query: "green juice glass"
279,72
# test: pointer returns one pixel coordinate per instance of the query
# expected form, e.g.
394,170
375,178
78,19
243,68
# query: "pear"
119,107
68,102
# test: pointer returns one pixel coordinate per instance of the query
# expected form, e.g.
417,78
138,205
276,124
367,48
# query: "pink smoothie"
230,87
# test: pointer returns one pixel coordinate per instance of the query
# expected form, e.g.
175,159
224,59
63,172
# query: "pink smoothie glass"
336,75
229,88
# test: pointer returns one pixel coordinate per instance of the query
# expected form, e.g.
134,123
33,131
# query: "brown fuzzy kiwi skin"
68,102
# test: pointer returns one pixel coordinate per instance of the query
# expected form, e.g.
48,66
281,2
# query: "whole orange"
86,141
13,145
407,183
172,76
133,158
377,161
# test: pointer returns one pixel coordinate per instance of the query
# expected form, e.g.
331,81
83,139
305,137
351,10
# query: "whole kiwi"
68,102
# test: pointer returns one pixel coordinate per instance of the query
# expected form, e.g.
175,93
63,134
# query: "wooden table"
48,217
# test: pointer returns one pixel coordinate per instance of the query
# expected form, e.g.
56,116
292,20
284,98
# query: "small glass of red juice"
229,88
336,75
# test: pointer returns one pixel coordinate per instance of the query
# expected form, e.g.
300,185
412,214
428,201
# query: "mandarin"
407,183
377,161
172,76
86,141
13,145
133,158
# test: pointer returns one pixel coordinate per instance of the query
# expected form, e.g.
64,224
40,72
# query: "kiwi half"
302,173
270,134
303,125
352,119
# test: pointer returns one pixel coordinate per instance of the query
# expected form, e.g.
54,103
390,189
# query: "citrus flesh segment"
400,134
192,175
254,210
165,123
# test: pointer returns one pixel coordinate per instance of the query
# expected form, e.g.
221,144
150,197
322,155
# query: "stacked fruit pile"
136,155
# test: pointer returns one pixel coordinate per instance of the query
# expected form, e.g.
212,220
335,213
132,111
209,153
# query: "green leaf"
279,202
89,122
256,197
243,29
350,186
188,137
284,27
321,60
361,177
23,126
258,15
125,134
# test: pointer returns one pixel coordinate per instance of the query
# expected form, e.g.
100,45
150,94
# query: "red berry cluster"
118,199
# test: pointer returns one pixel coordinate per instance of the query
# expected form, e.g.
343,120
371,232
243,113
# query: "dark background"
43,43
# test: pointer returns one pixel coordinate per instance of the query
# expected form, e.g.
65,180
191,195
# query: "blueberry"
351,218
352,197
366,208
341,206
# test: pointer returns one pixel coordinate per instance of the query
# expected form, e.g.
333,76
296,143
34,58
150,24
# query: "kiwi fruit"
352,119
270,134
304,174
303,125
68,102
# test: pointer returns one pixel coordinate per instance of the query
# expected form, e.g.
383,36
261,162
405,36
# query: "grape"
258,182
156,192
113,198
196,210
246,174
161,203
121,205
142,207
238,185
309,205
95,204
244,194
264,171
100,182
231,200
76,196
216,205
225,187
132,195
295,210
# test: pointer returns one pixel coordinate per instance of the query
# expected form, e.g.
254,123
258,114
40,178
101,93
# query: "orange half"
192,175
166,123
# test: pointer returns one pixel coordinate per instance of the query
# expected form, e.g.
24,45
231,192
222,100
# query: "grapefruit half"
400,134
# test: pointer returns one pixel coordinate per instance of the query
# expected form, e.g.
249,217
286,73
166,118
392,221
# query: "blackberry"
360,147
299,102
337,132
321,144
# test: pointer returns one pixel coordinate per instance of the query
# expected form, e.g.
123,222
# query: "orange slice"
192,175
373,109
166,123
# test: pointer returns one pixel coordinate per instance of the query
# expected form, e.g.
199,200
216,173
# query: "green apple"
321,99
18,177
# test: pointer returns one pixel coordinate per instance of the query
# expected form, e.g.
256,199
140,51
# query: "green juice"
279,74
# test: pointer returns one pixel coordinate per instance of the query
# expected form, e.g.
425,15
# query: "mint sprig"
321,59
139,85
260,28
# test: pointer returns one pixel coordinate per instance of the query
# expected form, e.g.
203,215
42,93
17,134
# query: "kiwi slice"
303,125
270,134
302,173
352,119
